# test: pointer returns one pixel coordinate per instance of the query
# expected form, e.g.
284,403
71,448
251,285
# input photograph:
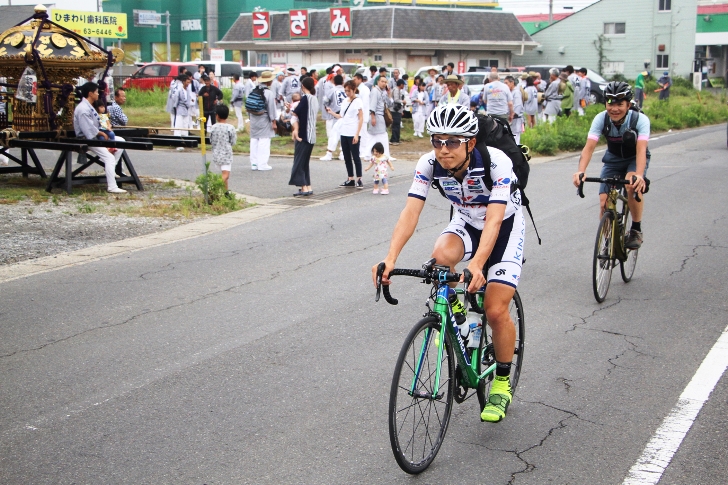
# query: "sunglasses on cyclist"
616,98
450,143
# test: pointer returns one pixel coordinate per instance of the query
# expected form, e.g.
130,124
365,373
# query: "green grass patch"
160,199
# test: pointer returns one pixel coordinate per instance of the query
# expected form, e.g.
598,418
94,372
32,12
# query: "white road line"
667,439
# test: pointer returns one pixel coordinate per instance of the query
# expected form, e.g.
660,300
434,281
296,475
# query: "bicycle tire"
602,267
627,266
415,452
487,353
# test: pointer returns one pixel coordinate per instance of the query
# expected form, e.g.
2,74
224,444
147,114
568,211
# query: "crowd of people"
357,111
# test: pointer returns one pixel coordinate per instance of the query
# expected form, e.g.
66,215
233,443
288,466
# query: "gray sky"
519,7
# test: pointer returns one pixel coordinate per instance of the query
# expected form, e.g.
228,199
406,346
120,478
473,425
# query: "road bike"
436,367
613,230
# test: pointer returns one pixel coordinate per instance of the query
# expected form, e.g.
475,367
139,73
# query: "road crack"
528,466
584,319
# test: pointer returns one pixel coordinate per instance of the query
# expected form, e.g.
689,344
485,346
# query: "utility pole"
169,46
551,12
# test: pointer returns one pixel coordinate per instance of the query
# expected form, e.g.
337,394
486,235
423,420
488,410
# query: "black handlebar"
611,181
429,273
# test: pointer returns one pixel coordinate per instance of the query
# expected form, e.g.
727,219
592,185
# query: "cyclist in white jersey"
487,228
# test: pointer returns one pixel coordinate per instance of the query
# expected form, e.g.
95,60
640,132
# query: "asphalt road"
257,354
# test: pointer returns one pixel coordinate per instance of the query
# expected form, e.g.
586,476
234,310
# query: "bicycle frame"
467,362
616,246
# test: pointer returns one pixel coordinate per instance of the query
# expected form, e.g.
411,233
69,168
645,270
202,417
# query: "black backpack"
493,132
255,103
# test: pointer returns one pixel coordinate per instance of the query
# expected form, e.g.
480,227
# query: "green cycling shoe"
498,400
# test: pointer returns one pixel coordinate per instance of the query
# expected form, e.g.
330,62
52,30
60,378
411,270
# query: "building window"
353,51
610,68
195,51
263,59
377,58
664,5
132,53
663,61
159,51
488,62
614,28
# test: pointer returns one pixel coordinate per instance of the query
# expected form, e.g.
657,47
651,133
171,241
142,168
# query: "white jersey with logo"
471,197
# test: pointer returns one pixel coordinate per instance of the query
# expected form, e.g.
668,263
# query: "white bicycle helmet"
452,119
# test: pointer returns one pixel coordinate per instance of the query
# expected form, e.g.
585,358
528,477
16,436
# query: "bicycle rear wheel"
627,267
487,353
602,264
418,419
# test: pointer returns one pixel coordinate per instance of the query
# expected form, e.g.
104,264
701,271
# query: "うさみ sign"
92,24
299,28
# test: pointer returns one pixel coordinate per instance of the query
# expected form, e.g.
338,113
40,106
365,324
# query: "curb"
180,233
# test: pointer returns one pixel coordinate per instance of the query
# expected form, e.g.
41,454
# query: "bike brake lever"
467,277
580,188
636,195
380,271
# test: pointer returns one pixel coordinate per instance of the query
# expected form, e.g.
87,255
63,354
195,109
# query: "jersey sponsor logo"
460,231
517,256
500,272
520,244
474,184
516,278
501,181
420,178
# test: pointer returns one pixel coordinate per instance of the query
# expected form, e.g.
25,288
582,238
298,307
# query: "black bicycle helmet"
618,90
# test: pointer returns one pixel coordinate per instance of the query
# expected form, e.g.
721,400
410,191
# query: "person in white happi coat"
237,99
333,97
263,126
517,121
182,105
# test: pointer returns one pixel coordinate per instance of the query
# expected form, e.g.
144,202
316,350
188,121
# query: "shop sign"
109,25
299,24
261,25
192,24
340,22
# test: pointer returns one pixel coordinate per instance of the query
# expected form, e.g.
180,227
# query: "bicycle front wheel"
487,352
418,413
627,266
602,264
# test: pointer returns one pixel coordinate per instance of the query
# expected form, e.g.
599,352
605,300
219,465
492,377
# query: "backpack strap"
525,203
607,125
634,120
485,155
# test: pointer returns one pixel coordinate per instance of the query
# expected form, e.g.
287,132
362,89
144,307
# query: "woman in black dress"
304,136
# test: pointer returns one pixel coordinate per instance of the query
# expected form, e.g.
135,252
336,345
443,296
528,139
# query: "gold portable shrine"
41,62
